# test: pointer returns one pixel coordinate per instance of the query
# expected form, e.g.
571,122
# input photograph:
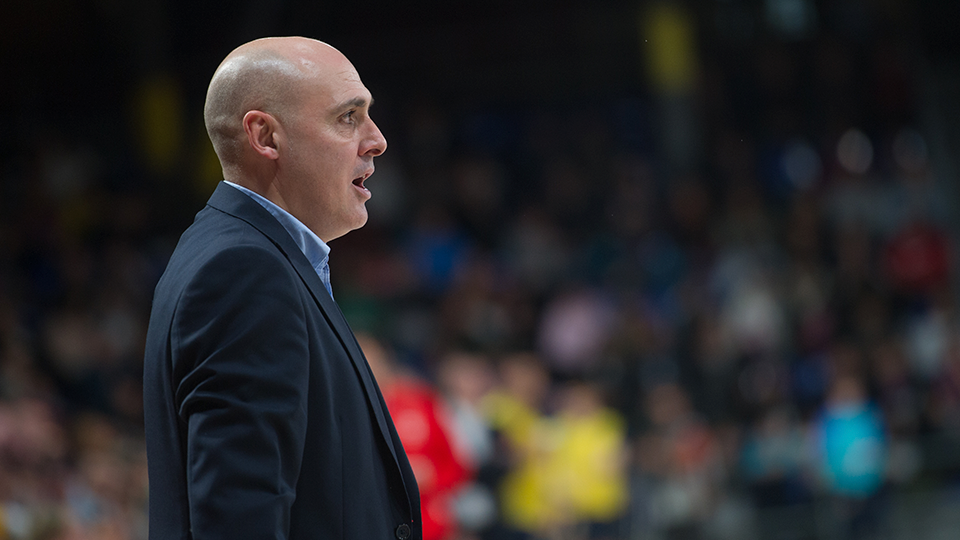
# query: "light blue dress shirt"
315,249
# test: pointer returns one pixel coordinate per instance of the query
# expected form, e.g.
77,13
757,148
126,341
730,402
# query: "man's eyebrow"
358,102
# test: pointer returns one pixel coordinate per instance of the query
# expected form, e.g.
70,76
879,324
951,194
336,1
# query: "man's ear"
261,130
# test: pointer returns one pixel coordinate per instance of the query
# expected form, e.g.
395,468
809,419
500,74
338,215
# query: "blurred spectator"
516,412
466,378
899,400
773,460
535,249
917,260
851,452
437,248
681,462
574,328
423,425
586,465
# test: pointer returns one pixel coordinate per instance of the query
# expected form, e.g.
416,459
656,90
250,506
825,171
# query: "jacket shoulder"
216,239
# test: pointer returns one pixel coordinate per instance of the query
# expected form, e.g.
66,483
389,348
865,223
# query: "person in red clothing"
421,421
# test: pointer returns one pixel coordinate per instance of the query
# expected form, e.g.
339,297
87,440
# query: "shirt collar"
315,249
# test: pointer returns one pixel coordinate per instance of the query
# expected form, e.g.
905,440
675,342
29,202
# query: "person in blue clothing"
851,445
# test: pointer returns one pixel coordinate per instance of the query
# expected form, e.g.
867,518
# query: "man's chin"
362,217
359,221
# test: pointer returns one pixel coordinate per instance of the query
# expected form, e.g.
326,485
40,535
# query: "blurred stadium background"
663,270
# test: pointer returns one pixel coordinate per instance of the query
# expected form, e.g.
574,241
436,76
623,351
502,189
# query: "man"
262,417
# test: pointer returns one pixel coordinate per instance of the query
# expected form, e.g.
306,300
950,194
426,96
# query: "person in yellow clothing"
586,468
515,412
568,471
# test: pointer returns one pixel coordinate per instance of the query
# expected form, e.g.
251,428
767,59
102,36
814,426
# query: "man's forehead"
346,85
349,75
341,76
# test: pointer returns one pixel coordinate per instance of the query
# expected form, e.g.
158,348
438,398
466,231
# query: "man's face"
330,145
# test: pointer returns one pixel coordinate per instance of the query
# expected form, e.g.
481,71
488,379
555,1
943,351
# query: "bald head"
267,75
290,120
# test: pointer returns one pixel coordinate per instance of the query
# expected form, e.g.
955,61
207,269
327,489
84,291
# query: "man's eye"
348,117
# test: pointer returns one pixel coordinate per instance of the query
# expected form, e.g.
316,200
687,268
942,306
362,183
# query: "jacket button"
403,531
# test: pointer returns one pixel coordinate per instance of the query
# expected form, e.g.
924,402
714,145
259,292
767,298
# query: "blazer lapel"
236,203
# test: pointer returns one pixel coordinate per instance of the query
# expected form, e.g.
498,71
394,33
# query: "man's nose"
375,143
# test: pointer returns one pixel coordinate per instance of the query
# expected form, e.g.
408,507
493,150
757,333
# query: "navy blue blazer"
263,419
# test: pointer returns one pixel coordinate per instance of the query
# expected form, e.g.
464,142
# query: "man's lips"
358,181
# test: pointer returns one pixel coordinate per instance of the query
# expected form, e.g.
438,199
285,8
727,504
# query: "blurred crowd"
719,305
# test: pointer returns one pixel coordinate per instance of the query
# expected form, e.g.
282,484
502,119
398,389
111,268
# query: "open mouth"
358,181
